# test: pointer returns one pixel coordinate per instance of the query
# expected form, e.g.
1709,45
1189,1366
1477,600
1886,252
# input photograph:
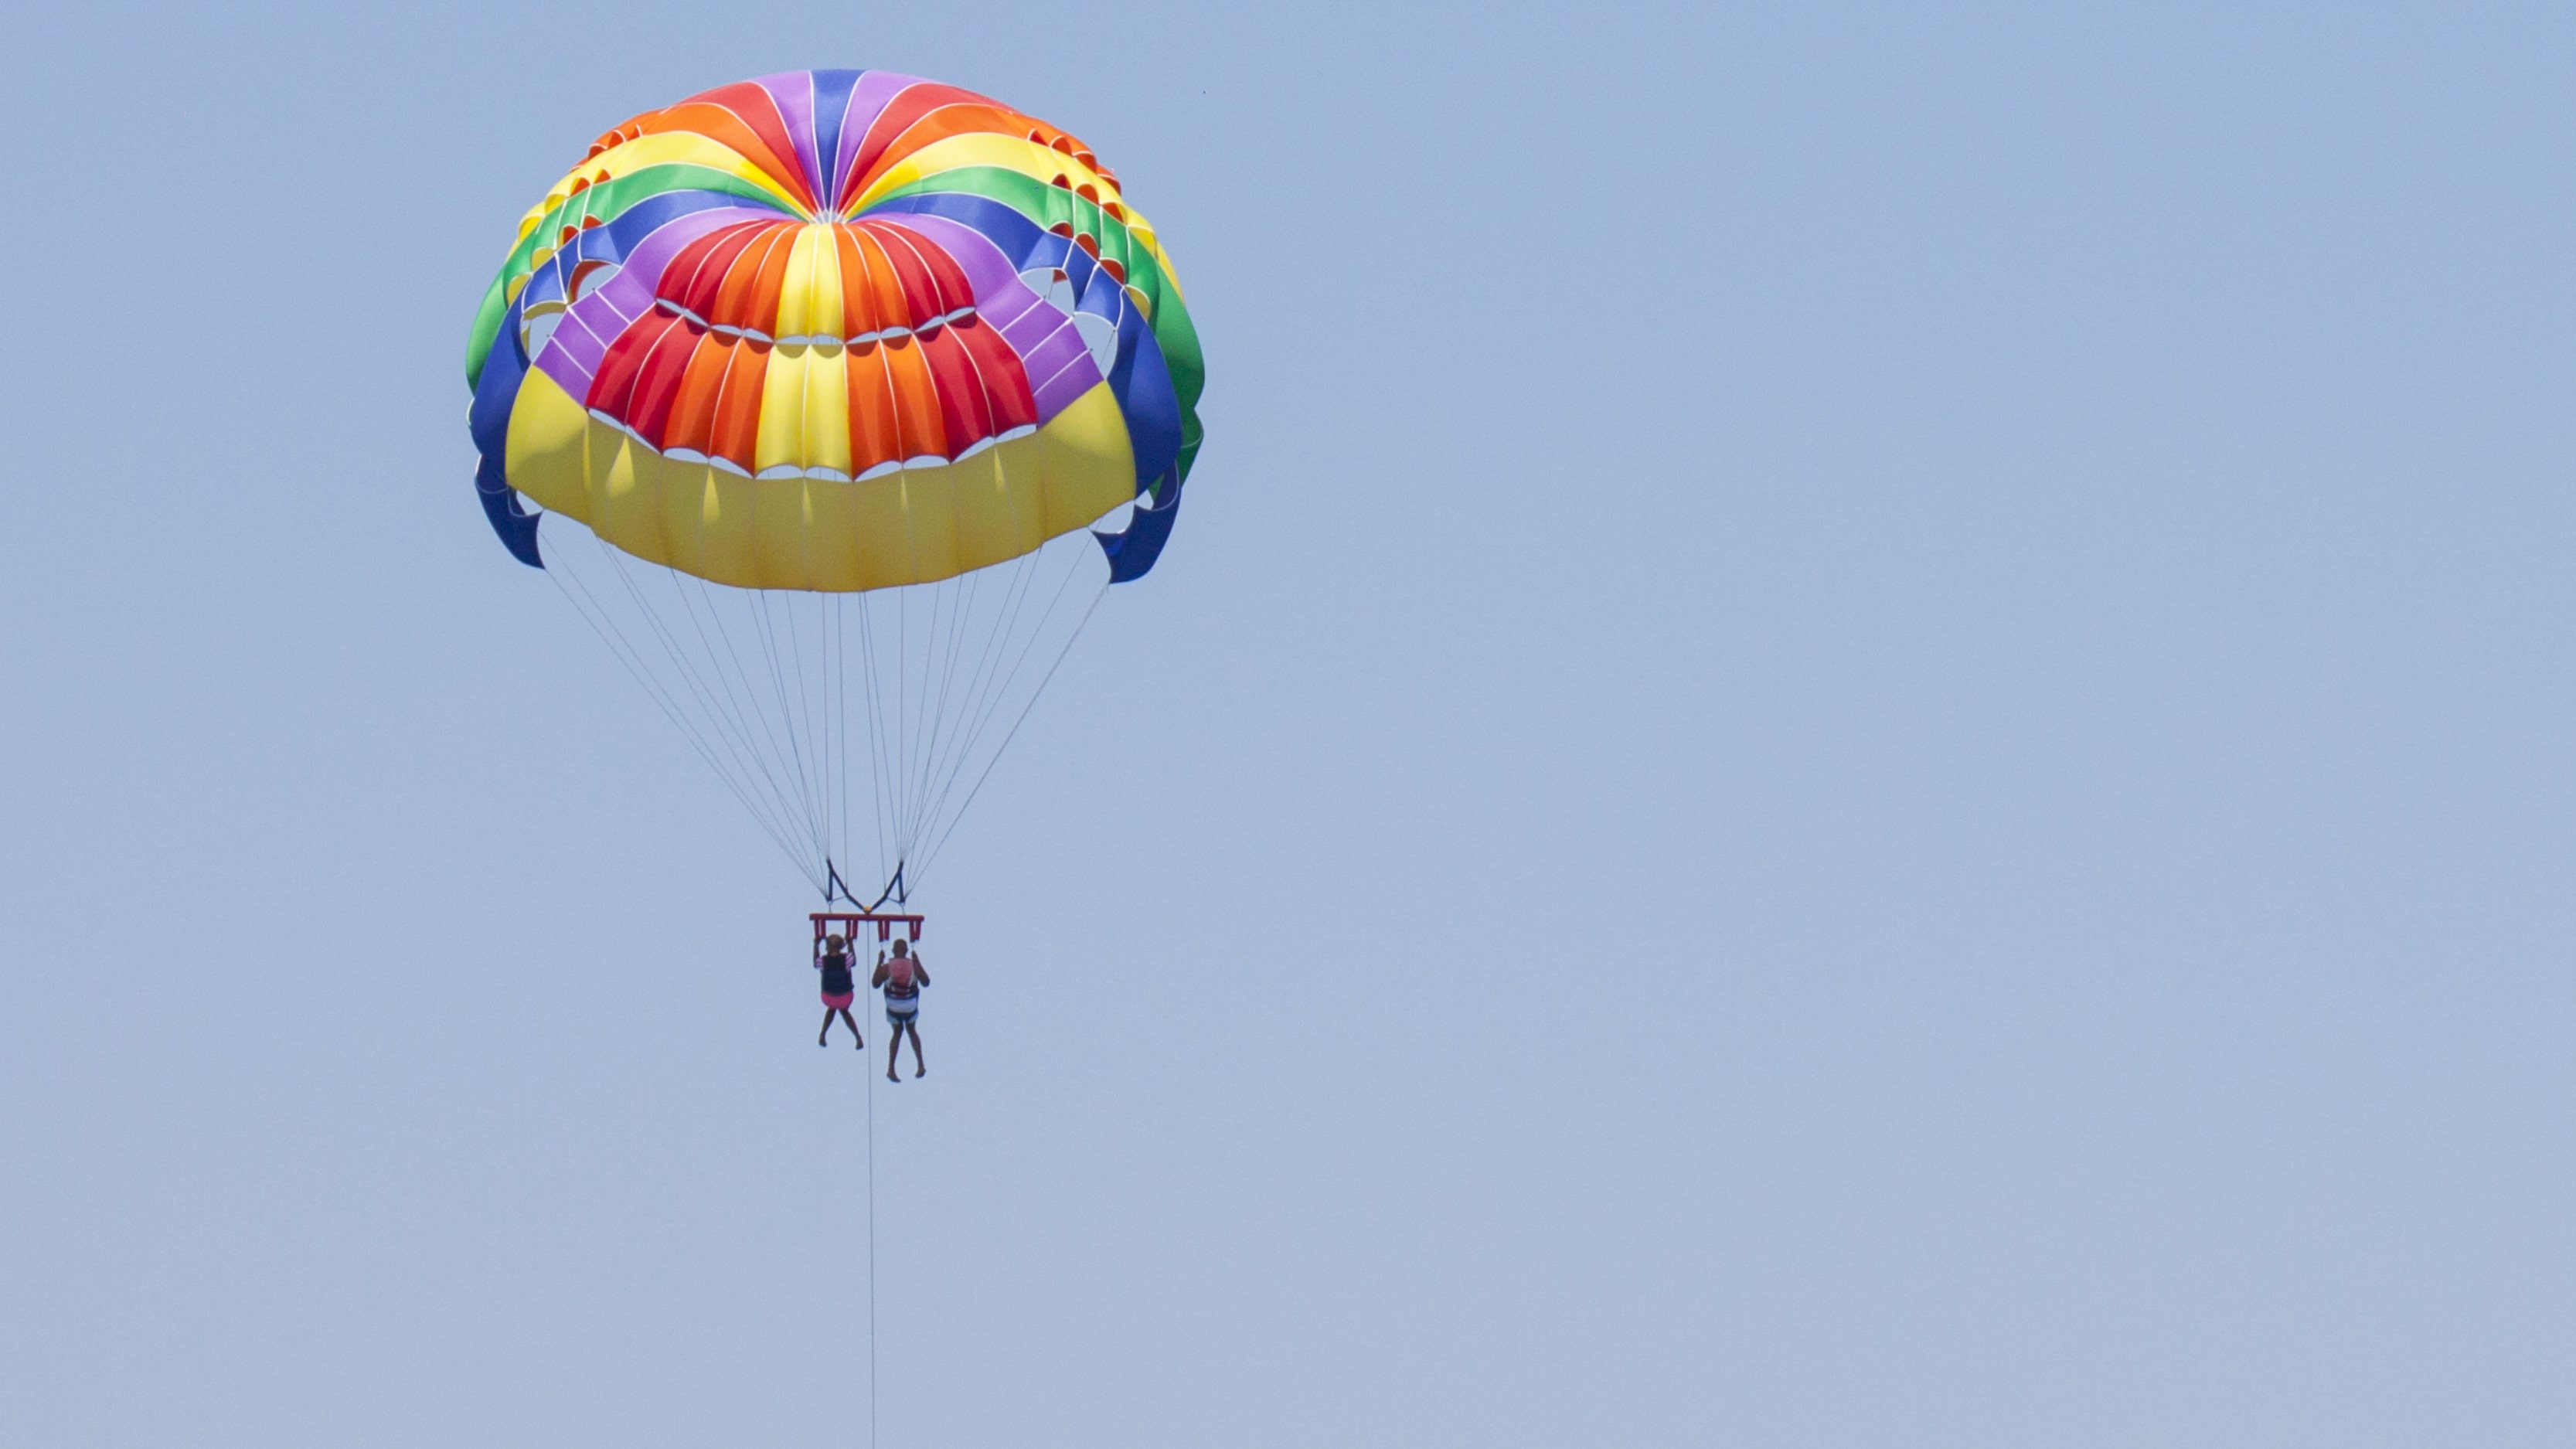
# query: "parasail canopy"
823,361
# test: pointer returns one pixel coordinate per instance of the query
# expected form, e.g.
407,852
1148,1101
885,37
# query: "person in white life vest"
902,977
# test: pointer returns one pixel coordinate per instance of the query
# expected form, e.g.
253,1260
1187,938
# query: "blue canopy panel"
510,519
1133,549
490,422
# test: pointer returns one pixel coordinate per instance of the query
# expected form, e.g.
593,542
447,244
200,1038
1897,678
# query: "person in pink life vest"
832,958
902,977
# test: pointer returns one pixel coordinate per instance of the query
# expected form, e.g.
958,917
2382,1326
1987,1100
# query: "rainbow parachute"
813,336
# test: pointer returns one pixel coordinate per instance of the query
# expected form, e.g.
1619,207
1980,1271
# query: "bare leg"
917,1067
894,1044
824,1038
856,1040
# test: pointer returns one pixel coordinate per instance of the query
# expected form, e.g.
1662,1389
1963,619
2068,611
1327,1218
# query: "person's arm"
920,972
879,978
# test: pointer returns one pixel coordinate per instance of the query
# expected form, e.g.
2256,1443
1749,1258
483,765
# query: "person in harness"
832,958
902,977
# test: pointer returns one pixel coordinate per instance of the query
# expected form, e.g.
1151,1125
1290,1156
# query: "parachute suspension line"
1000,692
780,730
902,669
1000,695
925,718
774,815
736,729
605,626
943,596
737,681
998,680
737,685
943,764
932,758
818,803
841,659
829,746
686,667
947,683
1000,750
876,728
937,704
794,702
786,710
836,657
687,670
926,709
841,608
902,676
837,785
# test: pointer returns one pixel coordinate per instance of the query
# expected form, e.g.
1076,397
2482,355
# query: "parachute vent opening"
537,326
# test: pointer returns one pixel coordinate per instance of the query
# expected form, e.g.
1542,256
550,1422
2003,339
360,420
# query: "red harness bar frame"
825,921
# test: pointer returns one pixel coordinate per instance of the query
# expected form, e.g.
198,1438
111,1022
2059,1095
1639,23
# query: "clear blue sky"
1859,735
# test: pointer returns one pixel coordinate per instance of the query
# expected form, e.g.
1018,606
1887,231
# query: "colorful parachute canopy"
835,330
800,339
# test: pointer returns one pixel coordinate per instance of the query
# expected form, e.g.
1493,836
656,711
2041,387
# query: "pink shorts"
840,1002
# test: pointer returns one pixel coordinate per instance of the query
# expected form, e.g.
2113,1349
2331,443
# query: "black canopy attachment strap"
837,889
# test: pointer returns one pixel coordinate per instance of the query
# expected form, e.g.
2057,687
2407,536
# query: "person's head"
898,946
833,943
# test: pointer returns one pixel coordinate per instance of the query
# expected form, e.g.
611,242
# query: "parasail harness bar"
848,924
836,888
